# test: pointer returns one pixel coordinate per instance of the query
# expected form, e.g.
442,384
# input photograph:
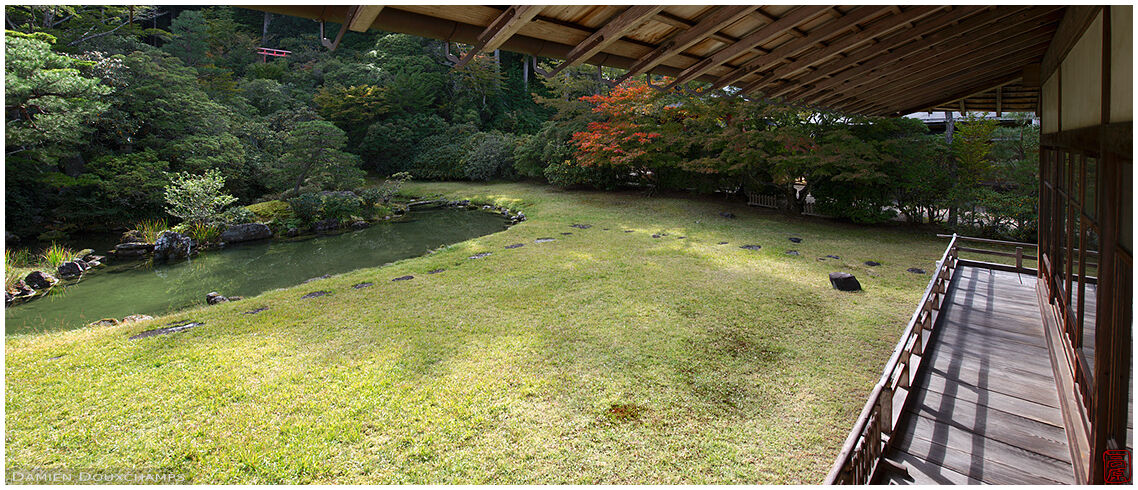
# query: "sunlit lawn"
600,357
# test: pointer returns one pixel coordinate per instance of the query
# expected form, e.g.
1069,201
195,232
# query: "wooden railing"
873,429
1019,254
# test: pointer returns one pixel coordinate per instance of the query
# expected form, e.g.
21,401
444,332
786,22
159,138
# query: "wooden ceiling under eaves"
874,60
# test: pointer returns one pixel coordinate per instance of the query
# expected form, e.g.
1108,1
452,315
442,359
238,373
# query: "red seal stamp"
1116,466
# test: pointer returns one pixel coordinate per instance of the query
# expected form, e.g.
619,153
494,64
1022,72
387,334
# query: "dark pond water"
118,290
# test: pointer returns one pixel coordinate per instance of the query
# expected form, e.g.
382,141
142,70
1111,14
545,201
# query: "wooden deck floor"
985,408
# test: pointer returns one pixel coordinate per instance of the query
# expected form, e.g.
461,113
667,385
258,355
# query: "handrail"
873,429
1018,255
986,240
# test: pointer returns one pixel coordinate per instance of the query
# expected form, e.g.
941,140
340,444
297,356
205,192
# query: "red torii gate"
266,52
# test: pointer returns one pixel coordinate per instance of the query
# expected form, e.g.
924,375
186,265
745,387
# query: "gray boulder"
68,270
40,280
246,232
214,298
172,245
844,281
133,249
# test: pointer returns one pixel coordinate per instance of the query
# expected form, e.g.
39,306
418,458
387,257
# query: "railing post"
1019,259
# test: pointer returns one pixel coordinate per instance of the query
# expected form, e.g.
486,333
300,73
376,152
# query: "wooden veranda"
1005,374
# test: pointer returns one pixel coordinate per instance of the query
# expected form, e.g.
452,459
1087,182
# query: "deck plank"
985,406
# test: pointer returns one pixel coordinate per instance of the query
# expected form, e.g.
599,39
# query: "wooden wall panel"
1081,81
1050,105
1121,63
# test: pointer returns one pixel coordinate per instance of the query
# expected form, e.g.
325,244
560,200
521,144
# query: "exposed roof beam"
628,20
879,28
789,49
984,86
719,19
857,76
1013,53
507,24
887,46
364,16
759,36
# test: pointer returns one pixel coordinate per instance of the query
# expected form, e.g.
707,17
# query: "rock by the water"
795,239
315,294
872,263
106,322
133,248
359,224
403,278
246,232
21,290
792,252
137,318
40,280
84,253
89,258
325,276
132,236
516,245
68,270
727,215
7,298
364,285
214,298
292,231
844,281
915,270
172,245
750,247
165,330
479,256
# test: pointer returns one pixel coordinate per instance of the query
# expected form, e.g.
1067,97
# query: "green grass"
601,357
151,228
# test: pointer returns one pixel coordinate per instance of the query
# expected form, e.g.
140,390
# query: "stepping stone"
605,229
655,236
680,237
516,245
723,243
315,294
628,231
795,239
751,247
363,285
56,357
479,256
834,257
436,271
792,252
325,276
403,278
166,330
566,233
544,240
580,227
915,270
254,312
844,281
727,215
872,263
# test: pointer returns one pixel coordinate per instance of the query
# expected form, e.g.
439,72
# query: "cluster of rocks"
214,297
172,245
37,283
515,217
112,321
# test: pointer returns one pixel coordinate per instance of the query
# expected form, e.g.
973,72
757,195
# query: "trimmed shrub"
271,211
236,215
341,206
440,159
306,207
489,156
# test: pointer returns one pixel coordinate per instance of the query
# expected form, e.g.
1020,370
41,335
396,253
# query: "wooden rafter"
879,28
931,76
363,17
762,35
820,35
507,24
626,21
924,49
973,90
721,18
893,45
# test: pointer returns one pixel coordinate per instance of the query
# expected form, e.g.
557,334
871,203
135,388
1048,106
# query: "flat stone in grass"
315,294
566,233
727,215
436,271
872,263
479,256
680,237
516,245
325,276
834,257
403,278
254,312
166,330
915,270
655,236
795,239
629,231
544,240
844,281
792,252
723,243
750,247
364,285
580,226
56,358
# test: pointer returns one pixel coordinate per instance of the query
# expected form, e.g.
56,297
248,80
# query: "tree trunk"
949,128
265,26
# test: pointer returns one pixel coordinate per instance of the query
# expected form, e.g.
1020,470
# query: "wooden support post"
1019,258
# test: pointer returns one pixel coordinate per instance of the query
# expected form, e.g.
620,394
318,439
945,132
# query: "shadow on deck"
985,406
